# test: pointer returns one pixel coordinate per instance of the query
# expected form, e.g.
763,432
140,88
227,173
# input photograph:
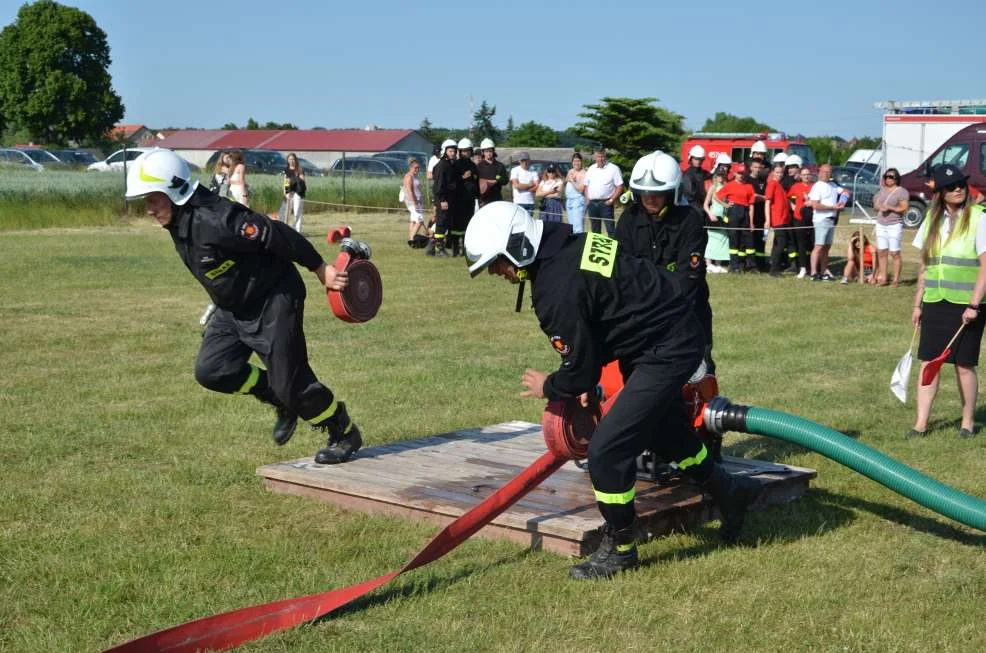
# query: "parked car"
862,184
16,158
539,166
311,170
114,162
44,157
263,162
75,157
364,165
403,155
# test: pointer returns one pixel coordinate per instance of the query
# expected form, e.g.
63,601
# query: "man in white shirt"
524,181
603,184
824,198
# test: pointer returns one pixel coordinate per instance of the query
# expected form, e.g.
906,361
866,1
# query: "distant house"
133,135
320,146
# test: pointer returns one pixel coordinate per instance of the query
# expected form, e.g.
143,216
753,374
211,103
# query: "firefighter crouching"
596,304
246,263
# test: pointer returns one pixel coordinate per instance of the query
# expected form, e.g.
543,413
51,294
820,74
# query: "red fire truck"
737,146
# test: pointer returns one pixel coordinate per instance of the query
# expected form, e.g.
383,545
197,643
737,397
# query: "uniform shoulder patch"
560,345
695,260
249,230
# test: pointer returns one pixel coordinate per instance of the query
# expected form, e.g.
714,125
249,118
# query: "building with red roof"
320,146
133,135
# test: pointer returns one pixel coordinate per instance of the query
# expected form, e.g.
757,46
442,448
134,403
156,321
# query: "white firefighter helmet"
724,160
656,172
780,157
465,144
487,144
160,170
759,146
697,152
793,160
449,142
502,228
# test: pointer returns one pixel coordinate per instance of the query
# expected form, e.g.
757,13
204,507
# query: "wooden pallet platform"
439,478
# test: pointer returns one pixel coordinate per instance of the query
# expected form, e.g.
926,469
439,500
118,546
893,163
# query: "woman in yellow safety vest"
951,285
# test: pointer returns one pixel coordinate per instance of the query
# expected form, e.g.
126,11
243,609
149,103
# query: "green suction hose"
722,416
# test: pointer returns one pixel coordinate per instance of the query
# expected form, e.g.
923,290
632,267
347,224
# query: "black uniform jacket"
443,181
495,172
596,304
693,188
467,190
676,242
237,255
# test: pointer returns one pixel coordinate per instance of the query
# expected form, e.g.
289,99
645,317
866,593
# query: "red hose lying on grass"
230,629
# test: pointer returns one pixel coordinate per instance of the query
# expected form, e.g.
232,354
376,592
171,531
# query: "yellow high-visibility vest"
951,271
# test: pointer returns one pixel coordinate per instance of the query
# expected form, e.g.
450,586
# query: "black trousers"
648,414
277,337
600,213
741,249
759,244
803,236
781,252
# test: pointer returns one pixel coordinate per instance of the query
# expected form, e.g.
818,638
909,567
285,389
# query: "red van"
737,146
966,150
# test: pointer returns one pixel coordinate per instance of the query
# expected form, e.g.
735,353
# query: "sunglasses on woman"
891,176
954,187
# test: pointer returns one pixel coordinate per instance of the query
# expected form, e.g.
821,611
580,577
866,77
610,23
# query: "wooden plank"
439,478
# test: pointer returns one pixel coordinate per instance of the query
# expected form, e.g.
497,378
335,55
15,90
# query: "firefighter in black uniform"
444,187
246,263
465,195
596,304
671,236
693,181
493,175
758,180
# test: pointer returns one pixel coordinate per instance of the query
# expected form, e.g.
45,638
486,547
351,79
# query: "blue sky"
796,65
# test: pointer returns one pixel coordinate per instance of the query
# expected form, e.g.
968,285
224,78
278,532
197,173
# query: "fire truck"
737,146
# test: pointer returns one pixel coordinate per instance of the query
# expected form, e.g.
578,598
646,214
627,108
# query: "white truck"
915,132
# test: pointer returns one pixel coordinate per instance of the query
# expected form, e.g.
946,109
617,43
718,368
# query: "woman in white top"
237,180
413,199
574,198
717,249
549,191
890,204
220,176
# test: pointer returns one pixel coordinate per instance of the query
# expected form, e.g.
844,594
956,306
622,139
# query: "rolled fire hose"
360,300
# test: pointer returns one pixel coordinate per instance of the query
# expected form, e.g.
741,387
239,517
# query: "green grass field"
129,502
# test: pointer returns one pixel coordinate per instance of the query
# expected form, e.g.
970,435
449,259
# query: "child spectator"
738,195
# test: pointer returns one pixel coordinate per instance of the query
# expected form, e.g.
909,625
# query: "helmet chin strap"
522,275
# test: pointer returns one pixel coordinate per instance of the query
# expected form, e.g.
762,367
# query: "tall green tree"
252,124
509,130
532,134
482,123
428,131
54,75
229,125
630,127
727,122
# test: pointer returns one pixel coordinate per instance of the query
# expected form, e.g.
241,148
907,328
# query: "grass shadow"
903,517
418,586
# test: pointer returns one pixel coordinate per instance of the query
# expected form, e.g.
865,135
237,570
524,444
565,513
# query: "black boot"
455,246
617,552
344,438
733,495
286,420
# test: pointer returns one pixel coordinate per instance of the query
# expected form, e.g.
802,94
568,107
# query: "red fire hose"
360,300
230,629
